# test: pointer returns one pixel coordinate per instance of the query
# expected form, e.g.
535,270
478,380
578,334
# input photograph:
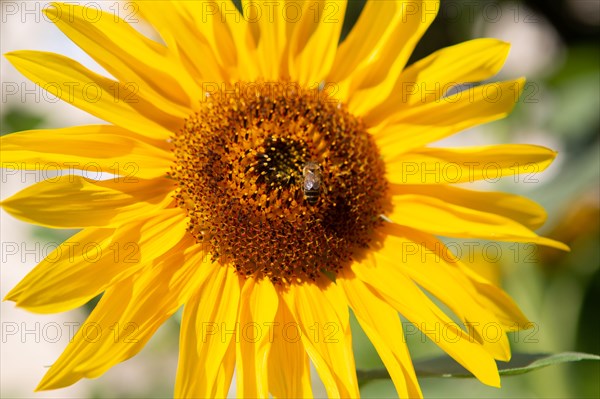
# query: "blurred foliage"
446,367
17,119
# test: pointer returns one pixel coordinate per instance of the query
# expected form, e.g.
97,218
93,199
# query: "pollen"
279,181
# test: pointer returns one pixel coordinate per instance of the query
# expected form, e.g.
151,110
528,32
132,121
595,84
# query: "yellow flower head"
269,178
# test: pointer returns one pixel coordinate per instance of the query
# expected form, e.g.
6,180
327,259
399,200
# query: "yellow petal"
88,263
429,79
492,100
382,325
366,38
468,164
288,368
230,35
370,85
127,316
521,209
470,61
208,336
493,298
178,29
439,217
488,295
428,122
95,149
274,23
316,37
425,260
388,281
257,314
76,202
321,313
115,102
244,39
129,56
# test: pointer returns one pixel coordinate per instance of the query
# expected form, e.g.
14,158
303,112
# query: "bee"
311,184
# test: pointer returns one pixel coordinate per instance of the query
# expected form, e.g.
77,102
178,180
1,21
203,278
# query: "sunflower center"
279,181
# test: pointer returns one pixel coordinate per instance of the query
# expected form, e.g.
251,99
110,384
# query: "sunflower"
269,177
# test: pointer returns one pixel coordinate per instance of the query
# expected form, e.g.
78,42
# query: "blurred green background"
555,45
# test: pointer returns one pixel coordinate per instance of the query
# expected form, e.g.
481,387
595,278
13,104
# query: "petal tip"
52,11
555,244
11,55
503,45
10,297
44,385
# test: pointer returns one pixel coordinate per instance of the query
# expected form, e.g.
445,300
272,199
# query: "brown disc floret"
240,173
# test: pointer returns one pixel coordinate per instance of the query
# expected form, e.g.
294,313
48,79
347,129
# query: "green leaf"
446,367
18,119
